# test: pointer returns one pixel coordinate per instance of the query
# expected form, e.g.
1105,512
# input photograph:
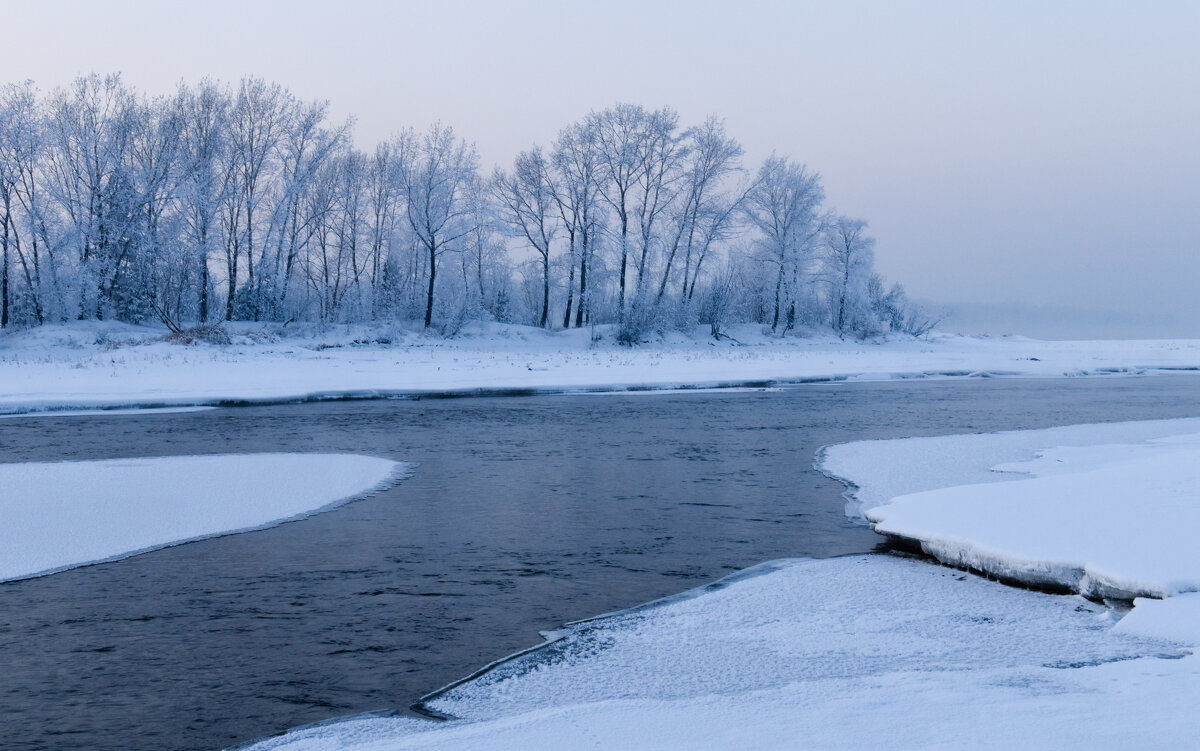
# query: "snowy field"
111,365
59,515
884,651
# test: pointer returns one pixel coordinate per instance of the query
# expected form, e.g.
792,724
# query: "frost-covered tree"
22,150
785,207
704,214
224,202
526,200
436,172
306,147
203,147
849,258
90,131
618,132
258,122
575,186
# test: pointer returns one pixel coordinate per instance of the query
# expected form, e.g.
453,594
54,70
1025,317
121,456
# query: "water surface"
522,513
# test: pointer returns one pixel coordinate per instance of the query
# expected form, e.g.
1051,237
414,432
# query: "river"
522,513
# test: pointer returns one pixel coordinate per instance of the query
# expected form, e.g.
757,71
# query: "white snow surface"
873,651
141,411
883,469
58,515
1104,519
857,652
104,364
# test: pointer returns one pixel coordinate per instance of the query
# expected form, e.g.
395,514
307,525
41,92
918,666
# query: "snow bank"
102,364
1108,521
881,651
841,653
1105,519
59,515
878,471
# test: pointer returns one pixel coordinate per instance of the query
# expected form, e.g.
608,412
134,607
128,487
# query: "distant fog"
1061,322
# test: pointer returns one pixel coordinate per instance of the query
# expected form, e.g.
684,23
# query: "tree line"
226,202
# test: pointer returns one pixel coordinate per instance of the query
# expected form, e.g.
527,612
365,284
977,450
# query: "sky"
1033,166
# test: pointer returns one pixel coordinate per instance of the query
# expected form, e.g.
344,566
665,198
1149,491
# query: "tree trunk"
232,287
570,284
624,261
545,288
778,290
250,258
203,290
841,322
30,278
432,275
581,311
4,275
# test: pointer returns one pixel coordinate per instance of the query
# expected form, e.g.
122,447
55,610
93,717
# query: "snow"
59,515
889,651
840,653
1173,619
1108,520
880,470
104,364
108,412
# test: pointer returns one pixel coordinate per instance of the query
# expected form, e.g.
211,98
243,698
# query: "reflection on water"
522,513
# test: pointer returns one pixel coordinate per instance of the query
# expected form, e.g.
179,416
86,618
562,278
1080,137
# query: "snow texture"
103,364
59,515
1105,520
840,653
878,471
876,651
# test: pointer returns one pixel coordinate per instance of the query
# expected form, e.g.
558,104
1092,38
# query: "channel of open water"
521,514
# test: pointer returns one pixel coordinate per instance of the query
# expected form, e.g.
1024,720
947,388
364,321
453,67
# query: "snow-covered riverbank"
108,365
840,653
60,515
870,651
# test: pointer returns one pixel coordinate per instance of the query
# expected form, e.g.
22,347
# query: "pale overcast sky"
1043,154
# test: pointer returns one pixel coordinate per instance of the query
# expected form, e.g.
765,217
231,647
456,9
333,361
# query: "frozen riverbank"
59,515
107,365
862,651
840,653
1104,510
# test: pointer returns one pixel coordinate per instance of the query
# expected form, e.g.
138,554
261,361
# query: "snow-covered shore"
870,651
839,653
60,515
87,365
849,653
1104,510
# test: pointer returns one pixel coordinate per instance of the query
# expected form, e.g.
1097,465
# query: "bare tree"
382,199
660,154
204,146
435,172
257,122
704,212
849,256
576,192
784,206
112,203
618,131
527,205
8,190
90,129
22,148
305,147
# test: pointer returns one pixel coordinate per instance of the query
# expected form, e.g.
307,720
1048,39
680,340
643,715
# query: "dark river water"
521,514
